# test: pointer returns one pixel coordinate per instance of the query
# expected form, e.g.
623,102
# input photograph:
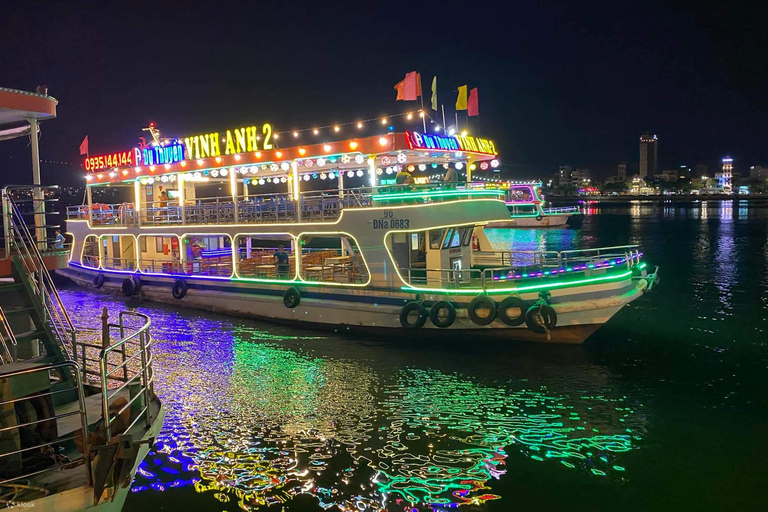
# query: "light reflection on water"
257,415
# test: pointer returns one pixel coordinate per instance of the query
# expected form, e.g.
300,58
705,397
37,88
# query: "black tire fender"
481,302
292,297
98,281
421,319
512,303
129,287
548,315
434,314
539,217
179,289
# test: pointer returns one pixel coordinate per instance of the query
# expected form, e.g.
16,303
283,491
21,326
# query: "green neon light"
440,193
642,265
548,286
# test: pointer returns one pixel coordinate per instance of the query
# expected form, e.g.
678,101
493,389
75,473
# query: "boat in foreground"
362,256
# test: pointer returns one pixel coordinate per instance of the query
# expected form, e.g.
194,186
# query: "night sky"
560,82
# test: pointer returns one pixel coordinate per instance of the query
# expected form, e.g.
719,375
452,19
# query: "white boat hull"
345,310
545,221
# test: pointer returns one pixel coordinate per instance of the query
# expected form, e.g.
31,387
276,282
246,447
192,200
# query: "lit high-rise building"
725,178
649,155
622,172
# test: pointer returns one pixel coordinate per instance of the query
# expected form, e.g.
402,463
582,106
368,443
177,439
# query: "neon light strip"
441,193
578,268
548,286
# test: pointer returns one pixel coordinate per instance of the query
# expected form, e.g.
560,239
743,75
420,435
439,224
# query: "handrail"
145,375
9,358
21,241
82,411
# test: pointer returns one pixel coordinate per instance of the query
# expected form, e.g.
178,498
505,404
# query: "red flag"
418,84
84,146
399,88
472,107
410,89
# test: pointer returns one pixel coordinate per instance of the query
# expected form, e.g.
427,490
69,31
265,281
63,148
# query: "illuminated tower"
649,155
726,177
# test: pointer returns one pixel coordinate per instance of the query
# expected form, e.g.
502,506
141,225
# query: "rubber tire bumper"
98,281
179,289
130,286
291,298
421,319
511,303
434,314
548,314
481,301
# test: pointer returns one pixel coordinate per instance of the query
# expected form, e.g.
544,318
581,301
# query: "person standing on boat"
58,242
282,261
450,178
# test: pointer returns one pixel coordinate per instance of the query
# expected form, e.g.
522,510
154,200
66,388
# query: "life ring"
479,303
291,298
539,217
539,313
437,308
421,317
129,286
512,303
98,281
179,289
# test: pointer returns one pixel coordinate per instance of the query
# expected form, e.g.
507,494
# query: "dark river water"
664,408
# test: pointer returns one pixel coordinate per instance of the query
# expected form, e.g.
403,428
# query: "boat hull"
545,221
369,312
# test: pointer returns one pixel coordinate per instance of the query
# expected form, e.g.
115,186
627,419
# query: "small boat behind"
525,203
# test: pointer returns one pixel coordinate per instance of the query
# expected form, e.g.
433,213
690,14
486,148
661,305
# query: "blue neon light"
159,155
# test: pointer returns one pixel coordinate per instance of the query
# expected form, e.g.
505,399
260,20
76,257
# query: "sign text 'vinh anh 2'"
239,140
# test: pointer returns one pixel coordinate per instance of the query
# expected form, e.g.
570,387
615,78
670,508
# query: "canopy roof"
18,106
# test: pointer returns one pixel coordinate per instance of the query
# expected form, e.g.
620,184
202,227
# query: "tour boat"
324,235
525,204
79,410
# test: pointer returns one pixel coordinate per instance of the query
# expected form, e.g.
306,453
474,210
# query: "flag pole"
423,116
443,108
457,121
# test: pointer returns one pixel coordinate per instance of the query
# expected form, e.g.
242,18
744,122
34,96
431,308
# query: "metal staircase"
35,326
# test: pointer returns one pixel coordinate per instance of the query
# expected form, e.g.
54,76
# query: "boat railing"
45,448
559,210
446,277
125,264
312,206
21,242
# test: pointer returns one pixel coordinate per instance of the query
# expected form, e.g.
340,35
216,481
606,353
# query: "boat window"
207,255
455,238
90,254
259,256
467,235
119,252
447,238
334,259
435,237
160,254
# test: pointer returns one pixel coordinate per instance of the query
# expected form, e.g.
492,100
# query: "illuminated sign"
420,180
418,140
159,155
428,142
239,140
124,158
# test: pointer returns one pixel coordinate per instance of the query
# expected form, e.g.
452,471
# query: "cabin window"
332,258
119,252
208,255
90,255
467,235
435,237
160,254
266,256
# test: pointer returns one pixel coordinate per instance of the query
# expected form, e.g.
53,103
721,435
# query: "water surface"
664,408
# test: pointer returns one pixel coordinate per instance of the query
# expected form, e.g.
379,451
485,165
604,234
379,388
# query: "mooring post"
104,328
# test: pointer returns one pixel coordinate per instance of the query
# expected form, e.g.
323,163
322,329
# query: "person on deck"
450,177
283,262
58,242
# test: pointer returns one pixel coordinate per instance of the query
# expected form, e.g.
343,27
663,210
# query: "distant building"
649,155
564,174
758,172
669,175
725,178
622,172
580,177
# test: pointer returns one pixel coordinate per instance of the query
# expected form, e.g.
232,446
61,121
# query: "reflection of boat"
368,254
77,407
525,205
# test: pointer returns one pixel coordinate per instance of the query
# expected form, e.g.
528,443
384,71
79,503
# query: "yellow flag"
434,94
461,101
